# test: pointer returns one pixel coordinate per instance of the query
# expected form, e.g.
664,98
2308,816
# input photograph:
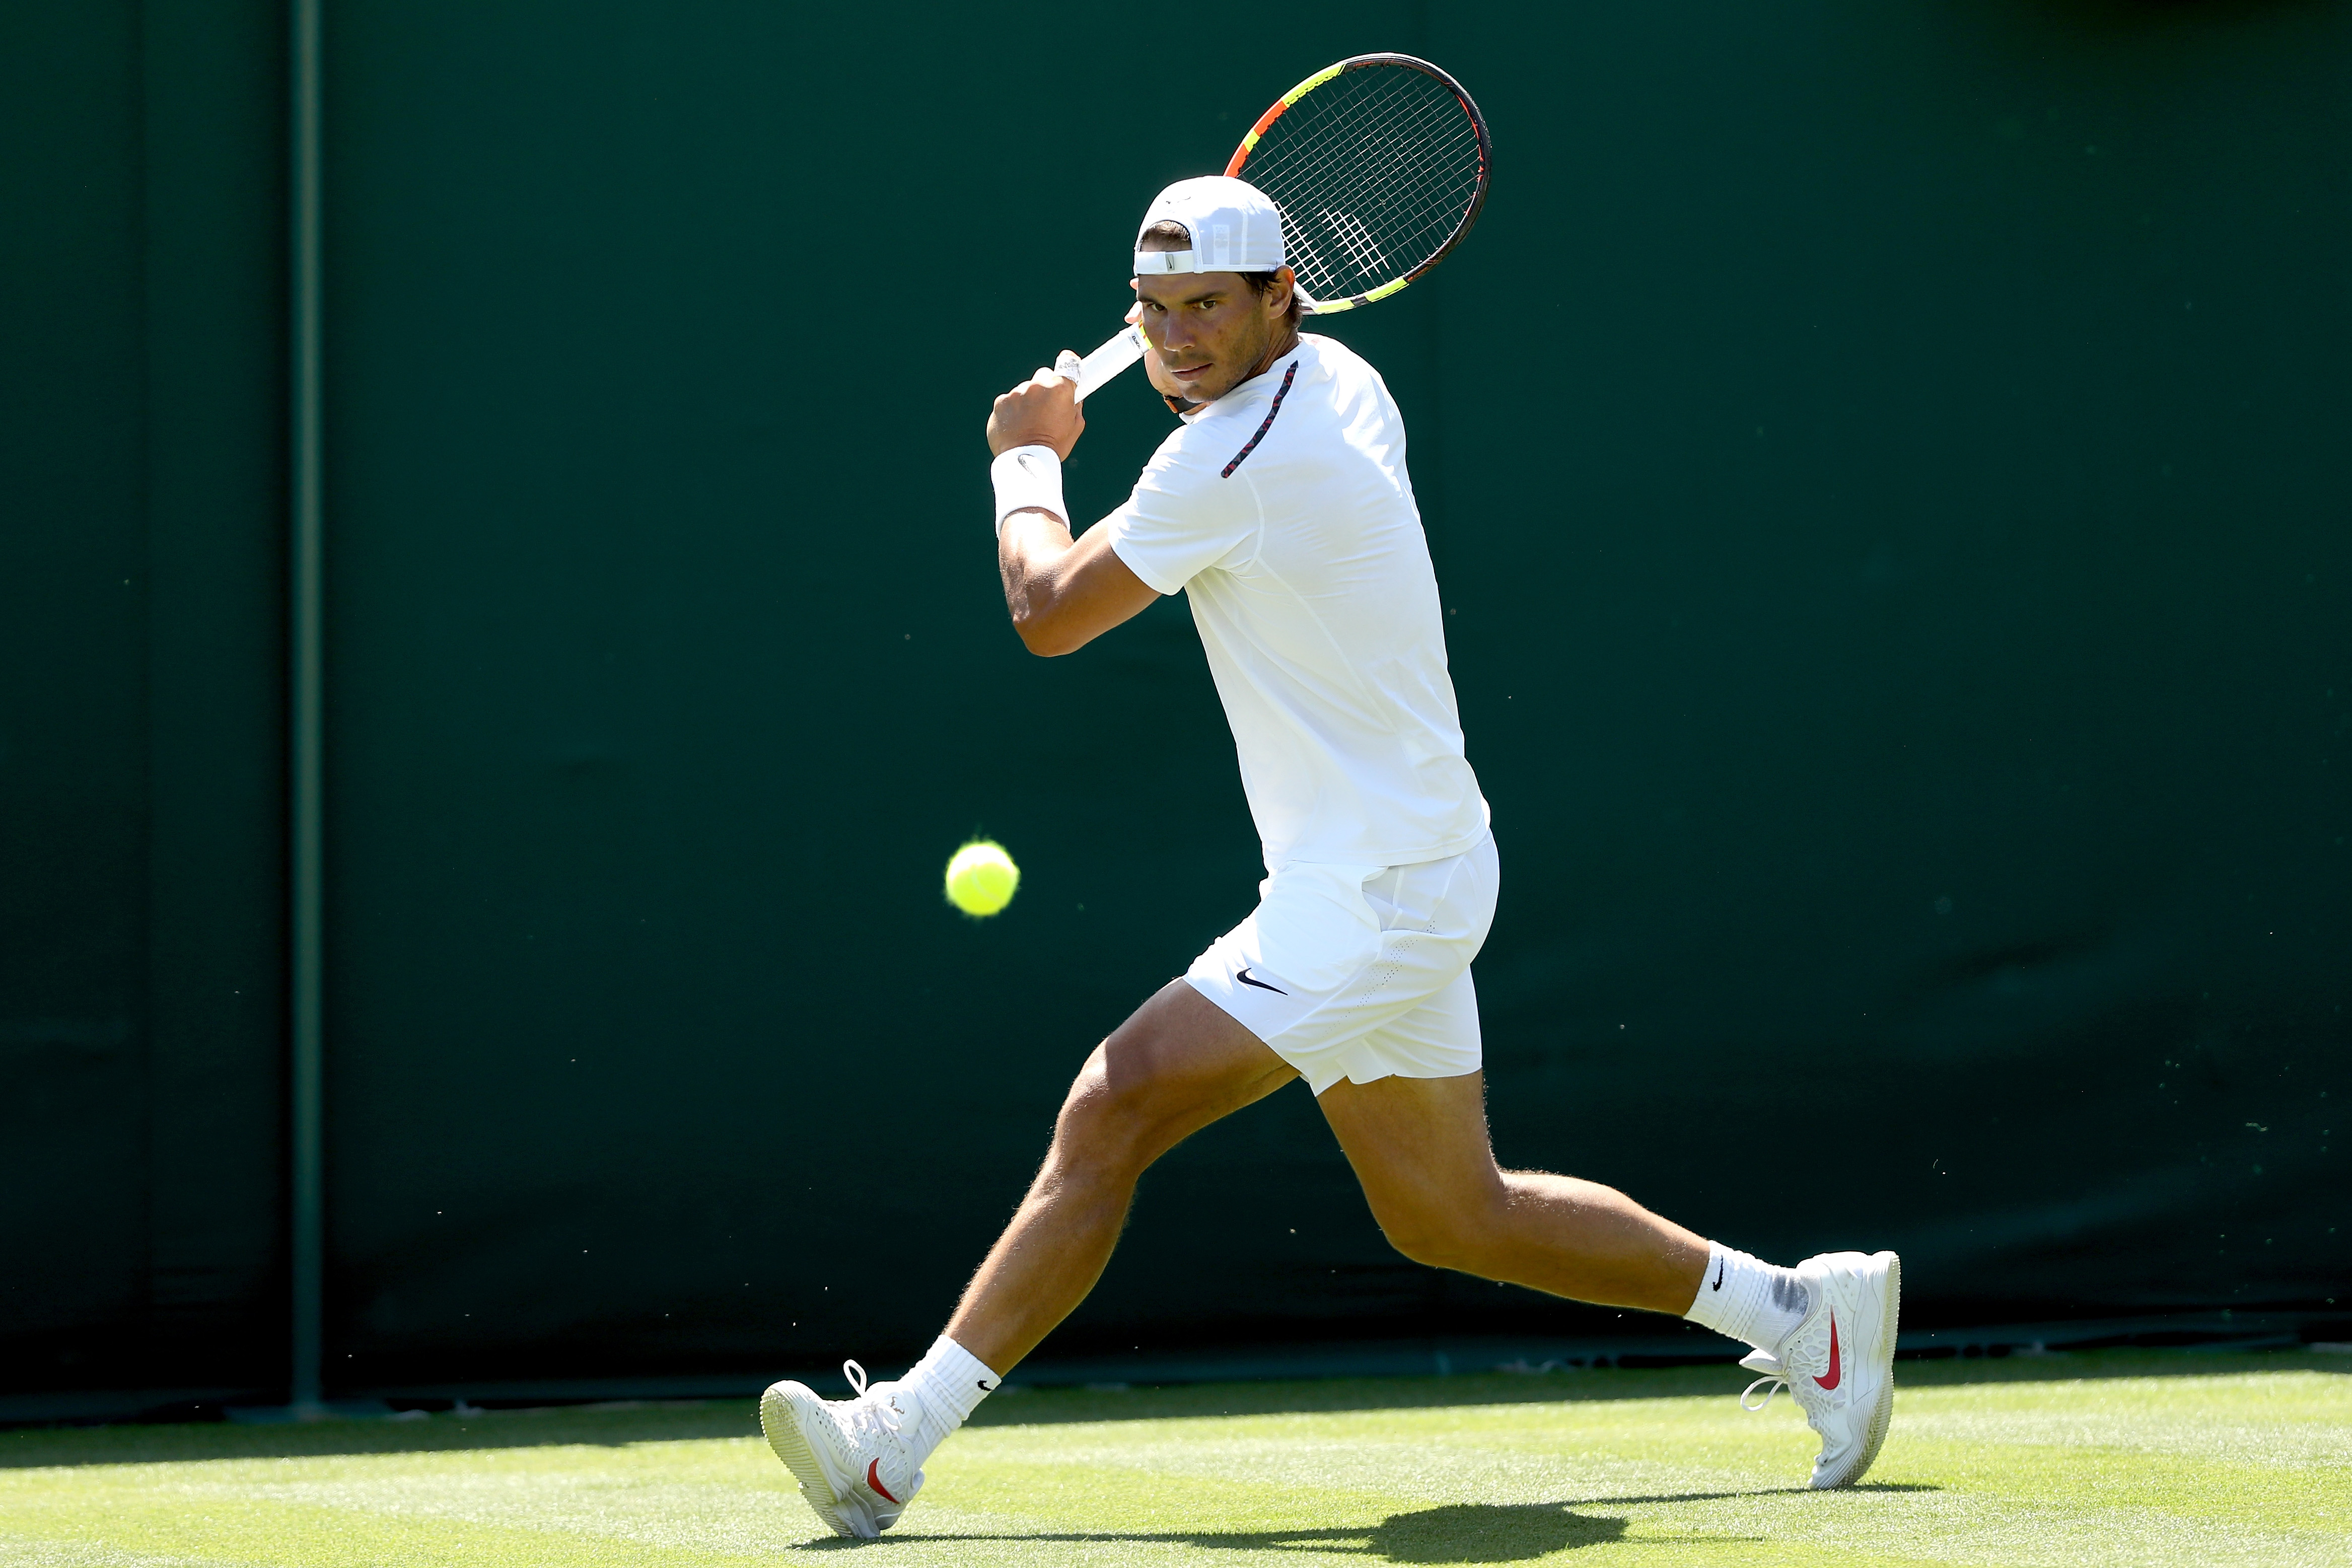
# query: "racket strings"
1373,172
1421,204
1365,139
1368,129
1407,175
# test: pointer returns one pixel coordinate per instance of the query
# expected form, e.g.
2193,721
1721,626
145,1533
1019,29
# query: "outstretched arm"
1062,594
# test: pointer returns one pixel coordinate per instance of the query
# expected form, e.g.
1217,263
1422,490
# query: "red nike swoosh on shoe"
874,1466
1829,1381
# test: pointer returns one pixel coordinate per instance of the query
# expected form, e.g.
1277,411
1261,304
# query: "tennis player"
1282,508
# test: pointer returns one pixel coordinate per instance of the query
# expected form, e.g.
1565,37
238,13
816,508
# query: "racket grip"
1108,361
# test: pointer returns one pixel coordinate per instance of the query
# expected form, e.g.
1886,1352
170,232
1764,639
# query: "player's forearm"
1064,596
1061,595
1033,556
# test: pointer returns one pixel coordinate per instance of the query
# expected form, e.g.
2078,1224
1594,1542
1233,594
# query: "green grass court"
2110,1457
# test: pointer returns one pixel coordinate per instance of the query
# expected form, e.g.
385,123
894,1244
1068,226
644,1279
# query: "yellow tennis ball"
981,877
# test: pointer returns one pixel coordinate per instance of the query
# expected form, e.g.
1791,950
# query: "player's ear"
1286,284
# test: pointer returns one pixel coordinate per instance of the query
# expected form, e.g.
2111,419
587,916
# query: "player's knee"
1101,1130
1422,1245
1417,1233
1440,1248
1462,1239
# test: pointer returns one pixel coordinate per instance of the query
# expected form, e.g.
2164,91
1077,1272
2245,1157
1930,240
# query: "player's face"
1209,331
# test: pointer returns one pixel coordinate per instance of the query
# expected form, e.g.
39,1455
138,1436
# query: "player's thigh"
1419,1147
1177,1064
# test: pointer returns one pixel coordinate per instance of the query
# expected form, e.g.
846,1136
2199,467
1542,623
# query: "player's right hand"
1043,411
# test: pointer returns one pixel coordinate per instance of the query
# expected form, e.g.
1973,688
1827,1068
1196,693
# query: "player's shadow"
1457,1533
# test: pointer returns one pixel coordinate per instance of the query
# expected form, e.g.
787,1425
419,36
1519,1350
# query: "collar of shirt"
1262,382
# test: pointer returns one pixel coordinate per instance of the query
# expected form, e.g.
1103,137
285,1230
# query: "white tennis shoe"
1838,1364
850,1456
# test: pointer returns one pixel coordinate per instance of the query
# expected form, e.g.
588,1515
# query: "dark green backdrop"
1887,465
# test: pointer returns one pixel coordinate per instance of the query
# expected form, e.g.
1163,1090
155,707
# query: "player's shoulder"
1341,381
1337,366
1336,359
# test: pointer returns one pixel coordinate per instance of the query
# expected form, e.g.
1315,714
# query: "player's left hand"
1043,411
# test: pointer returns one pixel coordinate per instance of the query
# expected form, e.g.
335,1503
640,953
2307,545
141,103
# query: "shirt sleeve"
1182,518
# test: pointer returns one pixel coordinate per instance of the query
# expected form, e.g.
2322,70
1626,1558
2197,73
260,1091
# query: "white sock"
948,1384
1749,1300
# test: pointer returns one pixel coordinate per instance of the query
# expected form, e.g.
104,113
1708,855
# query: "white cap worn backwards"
1235,227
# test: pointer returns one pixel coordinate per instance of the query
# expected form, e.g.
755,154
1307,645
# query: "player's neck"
1283,342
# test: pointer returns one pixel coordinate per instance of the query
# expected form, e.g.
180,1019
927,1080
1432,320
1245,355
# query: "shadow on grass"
618,1425
1458,1532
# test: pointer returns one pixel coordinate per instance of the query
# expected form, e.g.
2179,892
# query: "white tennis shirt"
1284,512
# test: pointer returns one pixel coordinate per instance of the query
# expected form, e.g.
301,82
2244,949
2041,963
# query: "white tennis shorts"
1360,971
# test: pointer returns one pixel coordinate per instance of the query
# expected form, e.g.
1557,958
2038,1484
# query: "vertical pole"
307,1211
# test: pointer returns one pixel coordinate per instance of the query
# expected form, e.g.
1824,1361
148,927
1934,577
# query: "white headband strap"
1164,263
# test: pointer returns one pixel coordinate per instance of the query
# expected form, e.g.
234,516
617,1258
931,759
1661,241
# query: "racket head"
1380,165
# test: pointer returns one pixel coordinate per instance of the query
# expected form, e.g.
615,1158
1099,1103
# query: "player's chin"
1205,385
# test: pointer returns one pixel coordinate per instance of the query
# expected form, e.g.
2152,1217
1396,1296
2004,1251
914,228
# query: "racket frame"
1478,198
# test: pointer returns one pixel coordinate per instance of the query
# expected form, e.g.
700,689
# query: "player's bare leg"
1825,1329
1177,1065
1418,1146
1174,1067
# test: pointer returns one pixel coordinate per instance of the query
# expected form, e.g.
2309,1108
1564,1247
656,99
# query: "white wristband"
1027,477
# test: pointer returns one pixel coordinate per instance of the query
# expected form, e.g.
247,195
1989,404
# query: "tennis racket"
1380,164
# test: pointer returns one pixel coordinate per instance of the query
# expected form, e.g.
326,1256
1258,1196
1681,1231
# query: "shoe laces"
1800,1348
884,1414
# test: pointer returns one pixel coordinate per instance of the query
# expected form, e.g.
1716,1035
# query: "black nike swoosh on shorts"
1718,1276
1245,978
